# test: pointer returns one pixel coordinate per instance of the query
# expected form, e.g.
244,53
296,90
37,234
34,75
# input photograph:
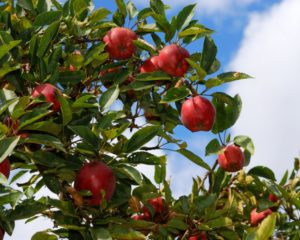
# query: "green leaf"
195,31
200,71
152,76
33,116
125,233
266,228
5,104
85,101
65,206
45,139
141,137
131,9
80,6
26,4
209,54
6,69
109,97
98,15
87,135
65,109
5,48
47,159
185,16
122,7
132,173
220,222
144,45
157,6
193,157
45,126
7,146
71,78
47,37
213,147
245,142
264,172
100,234
160,171
20,107
175,94
52,183
27,209
47,18
143,158
177,224
232,76
44,236
227,111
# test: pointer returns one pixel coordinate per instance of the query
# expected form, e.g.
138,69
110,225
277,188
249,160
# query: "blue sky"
261,38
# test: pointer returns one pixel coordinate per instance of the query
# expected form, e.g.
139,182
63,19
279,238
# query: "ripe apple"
119,43
231,159
198,114
140,217
257,217
48,91
171,60
96,177
5,168
150,65
158,205
200,236
2,233
273,198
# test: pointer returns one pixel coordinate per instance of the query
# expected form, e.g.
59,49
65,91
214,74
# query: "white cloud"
208,6
270,52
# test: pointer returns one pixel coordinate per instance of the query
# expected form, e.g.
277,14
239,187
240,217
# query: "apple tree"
87,95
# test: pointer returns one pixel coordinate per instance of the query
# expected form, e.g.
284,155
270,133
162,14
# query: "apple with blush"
150,65
5,168
198,114
172,60
95,177
119,43
72,68
231,159
48,91
200,236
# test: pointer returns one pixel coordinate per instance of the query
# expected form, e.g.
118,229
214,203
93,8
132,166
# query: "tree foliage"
62,45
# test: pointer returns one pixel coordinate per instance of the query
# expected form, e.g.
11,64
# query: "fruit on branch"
257,217
140,217
119,43
48,91
198,114
200,236
231,159
2,233
72,68
171,60
5,168
273,198
98,178
158,205
150,65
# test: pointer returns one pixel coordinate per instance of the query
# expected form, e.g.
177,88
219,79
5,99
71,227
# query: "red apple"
198,114
272,198
2,233
150,65
140,217
231,159
119,43
200,236
257,217
172,60
96,177
158,205
48,91
5,168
